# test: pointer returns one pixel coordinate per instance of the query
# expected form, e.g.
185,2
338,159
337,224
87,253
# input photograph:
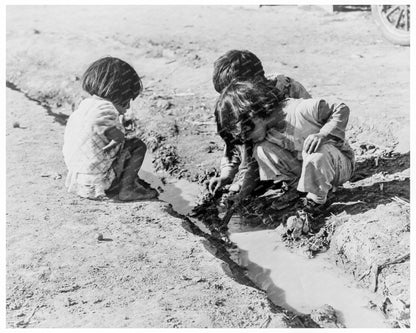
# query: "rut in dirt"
58,117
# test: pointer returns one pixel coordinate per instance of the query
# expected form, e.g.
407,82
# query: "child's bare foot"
132,193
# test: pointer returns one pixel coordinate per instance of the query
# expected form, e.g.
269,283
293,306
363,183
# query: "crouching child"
300,141
237,162
98,156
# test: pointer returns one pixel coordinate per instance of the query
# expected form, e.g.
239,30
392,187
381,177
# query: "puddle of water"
290,280
301,284
180,193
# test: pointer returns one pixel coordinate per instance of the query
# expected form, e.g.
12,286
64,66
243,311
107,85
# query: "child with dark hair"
236,163
98,156
293,140
244,65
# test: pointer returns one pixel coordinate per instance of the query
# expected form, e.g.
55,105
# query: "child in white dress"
96,153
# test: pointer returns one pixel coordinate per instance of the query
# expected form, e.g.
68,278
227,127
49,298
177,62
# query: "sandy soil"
150,270
58,274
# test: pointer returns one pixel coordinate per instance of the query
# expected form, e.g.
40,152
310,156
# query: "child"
244,65
96,153
295,140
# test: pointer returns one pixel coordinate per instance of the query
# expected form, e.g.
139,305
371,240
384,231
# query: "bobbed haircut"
112,79
236,65
239,103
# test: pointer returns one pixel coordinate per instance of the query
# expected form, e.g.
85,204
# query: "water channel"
290,279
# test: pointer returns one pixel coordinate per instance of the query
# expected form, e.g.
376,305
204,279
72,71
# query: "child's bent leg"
322,170
129,190
276,163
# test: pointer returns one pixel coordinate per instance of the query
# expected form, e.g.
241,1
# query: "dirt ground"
59,275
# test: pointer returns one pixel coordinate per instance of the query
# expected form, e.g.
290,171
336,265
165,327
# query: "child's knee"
266,149
321,157
136,146
314,158
141,146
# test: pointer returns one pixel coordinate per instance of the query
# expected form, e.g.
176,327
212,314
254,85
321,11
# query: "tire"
394,22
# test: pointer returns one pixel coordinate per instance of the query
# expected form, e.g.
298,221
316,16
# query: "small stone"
198,279
57,176
371,305
16,124
71,302
100,237
16,306
164,105
68,288
291,223
308,254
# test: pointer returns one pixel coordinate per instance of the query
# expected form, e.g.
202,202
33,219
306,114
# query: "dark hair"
236,65
239,103
112,79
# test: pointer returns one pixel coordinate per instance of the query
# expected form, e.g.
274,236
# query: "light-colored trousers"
318,173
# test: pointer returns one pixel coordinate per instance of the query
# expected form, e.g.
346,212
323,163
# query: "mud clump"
326,317
154,140
167,159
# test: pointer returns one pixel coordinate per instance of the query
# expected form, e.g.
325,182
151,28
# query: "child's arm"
334,120
251,178
109,123
228,168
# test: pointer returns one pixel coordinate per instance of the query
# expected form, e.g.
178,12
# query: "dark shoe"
285,200
137,192
288,194
314,208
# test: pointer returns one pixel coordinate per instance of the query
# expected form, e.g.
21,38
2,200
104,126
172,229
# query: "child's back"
84,138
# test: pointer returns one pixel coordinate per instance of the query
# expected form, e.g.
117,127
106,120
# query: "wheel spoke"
399,19
391,11
406,20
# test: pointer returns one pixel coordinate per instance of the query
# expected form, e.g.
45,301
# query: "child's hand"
111,145
313,142
215,184
233,200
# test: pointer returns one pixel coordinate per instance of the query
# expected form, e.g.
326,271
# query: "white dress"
90,171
